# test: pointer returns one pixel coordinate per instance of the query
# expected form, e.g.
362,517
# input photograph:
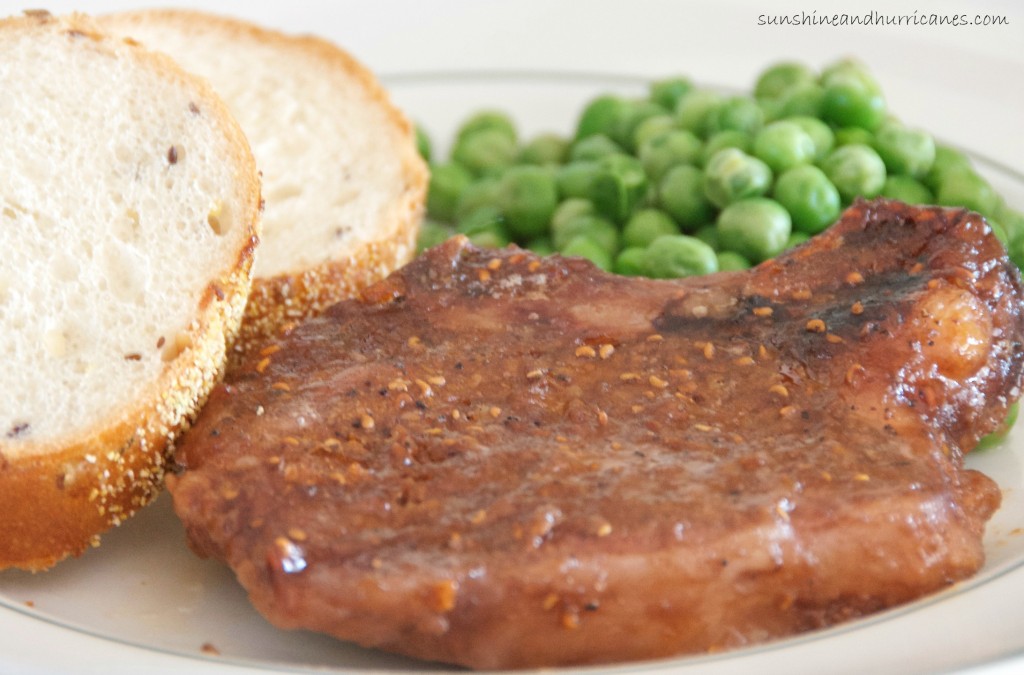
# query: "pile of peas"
691,181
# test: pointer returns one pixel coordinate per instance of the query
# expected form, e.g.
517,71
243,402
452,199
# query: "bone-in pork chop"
502,461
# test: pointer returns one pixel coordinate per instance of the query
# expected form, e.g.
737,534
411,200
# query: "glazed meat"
501,461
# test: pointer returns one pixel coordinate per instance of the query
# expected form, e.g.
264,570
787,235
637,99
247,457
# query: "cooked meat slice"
504,461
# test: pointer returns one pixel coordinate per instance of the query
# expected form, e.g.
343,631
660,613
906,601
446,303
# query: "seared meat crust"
504,461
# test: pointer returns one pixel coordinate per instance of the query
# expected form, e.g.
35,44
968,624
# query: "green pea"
851,101
681,195
600,230
783,145
963,187
855,170
771,108
672,256
485,227
431,234
1011,219
811,199
651,127
423,144
997,437
650,198
544,149
802,99
600,116
447,181
946,156
737,113
645,226
485,151
630,262
910,152
569,209
946,159
619,187
488,120
489,239
730,261
907,190
541,246
740,140
634,114
845,71
694,108
576,179
709,235
582,246
528,196
820,133
667,92
848,68
482,192
731,175
1016,252
484,218
665,150
779,77
756,228
593,147
999,231
795,239
853,136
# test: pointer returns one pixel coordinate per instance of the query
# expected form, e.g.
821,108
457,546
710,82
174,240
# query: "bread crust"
280,300
58,496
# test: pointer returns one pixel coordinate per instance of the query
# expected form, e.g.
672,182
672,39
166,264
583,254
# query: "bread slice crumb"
118,300
343,184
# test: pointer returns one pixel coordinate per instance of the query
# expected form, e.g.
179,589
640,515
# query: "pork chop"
501,461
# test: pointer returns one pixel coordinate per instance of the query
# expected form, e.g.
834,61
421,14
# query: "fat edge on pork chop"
503,461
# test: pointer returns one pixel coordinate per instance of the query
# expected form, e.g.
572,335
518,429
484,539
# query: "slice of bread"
343,183
129,208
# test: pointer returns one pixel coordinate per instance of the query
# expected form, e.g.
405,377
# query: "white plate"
143,603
